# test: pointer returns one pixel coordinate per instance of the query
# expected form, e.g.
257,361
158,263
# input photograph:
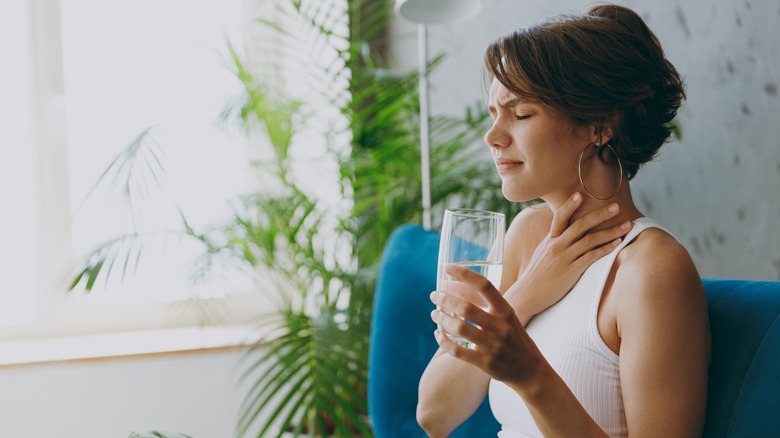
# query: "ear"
601,135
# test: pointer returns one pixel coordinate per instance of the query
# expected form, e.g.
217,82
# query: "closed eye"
521,117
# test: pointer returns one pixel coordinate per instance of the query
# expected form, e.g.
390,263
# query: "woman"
599,326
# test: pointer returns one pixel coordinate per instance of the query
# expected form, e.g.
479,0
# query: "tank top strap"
604,267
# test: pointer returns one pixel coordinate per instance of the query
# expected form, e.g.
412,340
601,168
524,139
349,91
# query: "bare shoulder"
656,257
526,231
664,336
656,273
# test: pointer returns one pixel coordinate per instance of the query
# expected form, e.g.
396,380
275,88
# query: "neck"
628,211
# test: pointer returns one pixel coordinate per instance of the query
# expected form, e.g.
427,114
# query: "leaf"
275,26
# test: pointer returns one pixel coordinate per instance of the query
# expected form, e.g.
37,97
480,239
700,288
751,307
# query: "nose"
496,136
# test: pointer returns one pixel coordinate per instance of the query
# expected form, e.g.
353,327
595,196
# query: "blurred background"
718,188
173,172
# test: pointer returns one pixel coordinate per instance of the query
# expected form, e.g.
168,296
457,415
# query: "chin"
513,195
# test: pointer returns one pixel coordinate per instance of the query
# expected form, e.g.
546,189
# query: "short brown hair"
604,68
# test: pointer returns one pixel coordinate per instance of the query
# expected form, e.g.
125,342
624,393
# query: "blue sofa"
744,378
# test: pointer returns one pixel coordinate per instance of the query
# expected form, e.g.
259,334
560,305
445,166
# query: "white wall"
192,392
718,189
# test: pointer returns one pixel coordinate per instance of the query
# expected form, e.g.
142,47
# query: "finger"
457,327
465,291
562,215
481,285
589,257
453,349
460,308
597,239
596,217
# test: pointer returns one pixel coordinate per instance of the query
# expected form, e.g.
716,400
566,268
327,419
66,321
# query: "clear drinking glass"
474,239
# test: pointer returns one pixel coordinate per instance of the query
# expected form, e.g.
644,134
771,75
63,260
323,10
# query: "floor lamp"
425,12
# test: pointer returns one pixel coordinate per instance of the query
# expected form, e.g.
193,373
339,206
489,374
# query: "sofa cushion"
402,340
744,378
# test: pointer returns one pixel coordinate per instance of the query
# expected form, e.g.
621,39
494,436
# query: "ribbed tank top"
567,335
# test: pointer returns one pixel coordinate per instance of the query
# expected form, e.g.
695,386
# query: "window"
19,252
82,81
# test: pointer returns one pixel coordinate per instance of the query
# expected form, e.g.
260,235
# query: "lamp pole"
425,12
425,136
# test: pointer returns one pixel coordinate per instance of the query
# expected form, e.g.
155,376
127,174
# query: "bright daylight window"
126,67
19,292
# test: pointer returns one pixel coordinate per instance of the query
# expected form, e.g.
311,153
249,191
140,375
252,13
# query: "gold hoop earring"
579,171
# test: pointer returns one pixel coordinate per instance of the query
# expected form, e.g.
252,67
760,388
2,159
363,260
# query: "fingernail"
437,334
435,315
616,242
613,208
434,296
576,197
625,225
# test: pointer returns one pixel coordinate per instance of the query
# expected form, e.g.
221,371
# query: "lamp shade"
437,11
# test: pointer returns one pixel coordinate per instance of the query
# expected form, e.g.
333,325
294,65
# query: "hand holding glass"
474,239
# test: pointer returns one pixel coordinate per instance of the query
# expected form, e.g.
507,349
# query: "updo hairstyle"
605,68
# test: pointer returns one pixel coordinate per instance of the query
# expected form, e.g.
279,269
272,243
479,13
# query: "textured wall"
718,189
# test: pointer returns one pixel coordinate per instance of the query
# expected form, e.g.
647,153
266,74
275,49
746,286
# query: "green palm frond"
312,373
382,176
132,177
134,173
307,374
124,252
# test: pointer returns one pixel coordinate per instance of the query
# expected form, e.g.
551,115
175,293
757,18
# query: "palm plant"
381,175
308,371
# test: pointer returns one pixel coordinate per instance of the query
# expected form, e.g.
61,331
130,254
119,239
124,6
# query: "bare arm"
664,350
665,344
664,353
451,390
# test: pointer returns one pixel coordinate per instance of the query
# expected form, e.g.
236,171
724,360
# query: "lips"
504,166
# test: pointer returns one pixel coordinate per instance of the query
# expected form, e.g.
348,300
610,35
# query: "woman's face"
535,148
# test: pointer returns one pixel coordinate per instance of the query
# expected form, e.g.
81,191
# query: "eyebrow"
510,103
513,102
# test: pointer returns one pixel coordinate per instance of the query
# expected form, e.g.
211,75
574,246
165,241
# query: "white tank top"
567,335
